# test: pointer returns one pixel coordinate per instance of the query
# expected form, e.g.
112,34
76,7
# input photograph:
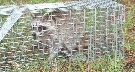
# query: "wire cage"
64,30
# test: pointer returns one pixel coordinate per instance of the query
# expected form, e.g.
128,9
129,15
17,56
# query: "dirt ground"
129,59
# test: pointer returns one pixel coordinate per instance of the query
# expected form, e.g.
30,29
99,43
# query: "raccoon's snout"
34,34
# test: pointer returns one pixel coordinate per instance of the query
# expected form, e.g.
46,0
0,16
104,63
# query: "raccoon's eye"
40,28
44,28
33,28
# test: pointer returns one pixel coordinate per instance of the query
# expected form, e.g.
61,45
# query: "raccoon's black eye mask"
40,28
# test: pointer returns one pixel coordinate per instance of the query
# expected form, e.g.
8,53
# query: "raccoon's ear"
45,16
33,15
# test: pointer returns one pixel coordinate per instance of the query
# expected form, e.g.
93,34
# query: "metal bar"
15,15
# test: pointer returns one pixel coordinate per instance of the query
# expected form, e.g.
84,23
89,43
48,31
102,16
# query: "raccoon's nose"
33,34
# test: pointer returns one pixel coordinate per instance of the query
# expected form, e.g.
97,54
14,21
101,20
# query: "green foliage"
80,65
130,15
127,25
107,63
10,2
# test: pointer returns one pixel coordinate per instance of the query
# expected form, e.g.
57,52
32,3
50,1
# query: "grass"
129,32
19,2
105,63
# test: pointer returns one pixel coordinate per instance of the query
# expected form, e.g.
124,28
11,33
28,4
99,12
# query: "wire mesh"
67,30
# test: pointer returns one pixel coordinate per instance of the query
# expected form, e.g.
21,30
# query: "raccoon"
59,30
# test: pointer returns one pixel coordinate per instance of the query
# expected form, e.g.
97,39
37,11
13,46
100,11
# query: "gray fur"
62,30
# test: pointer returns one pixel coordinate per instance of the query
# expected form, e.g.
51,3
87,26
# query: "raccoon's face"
38,30
40,27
